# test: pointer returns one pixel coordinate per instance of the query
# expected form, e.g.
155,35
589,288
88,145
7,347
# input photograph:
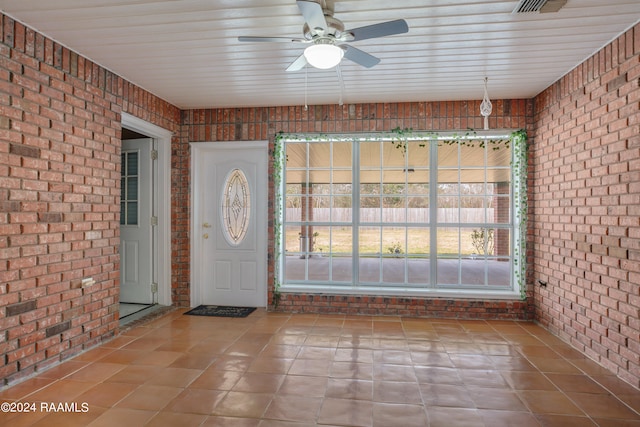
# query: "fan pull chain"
340,83
306,68
485,106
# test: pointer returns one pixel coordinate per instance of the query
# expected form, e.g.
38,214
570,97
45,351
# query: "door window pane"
236,207
129,184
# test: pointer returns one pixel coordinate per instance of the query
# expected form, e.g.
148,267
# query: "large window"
417,216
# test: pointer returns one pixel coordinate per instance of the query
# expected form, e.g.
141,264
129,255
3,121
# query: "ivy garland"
278,162
520,168
468,139
399,138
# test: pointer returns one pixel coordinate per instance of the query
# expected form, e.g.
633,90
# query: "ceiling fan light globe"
323,56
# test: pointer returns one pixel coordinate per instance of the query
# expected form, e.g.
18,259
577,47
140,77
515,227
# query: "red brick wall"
59,179
264,123
586,189
60,130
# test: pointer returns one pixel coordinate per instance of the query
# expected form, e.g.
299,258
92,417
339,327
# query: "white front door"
229,234
135,222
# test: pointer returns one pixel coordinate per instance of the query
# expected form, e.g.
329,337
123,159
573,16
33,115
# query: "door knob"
206,225
205,235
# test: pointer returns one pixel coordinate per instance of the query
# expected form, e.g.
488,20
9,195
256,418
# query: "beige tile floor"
274,369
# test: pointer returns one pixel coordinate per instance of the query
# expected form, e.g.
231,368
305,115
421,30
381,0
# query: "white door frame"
195,290
162,267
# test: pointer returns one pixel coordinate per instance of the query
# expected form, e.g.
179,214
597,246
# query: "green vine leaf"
278,161
519,167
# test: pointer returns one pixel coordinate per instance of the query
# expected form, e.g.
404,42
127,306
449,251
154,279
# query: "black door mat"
220,311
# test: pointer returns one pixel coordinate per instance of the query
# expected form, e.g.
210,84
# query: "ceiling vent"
540,6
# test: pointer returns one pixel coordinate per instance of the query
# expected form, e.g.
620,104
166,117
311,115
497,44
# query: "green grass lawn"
450,241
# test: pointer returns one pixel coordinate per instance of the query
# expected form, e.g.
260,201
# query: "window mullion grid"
459,225
381,225
514,216
433,222
306,207
331,200
355,212
486,215
284,219
406,217
433,212
125,189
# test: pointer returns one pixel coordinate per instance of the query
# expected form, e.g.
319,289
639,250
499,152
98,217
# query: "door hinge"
154,221
154,154
154,288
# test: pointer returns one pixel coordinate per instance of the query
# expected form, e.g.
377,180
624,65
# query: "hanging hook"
485,106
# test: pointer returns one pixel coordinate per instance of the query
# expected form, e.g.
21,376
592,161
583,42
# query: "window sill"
402,292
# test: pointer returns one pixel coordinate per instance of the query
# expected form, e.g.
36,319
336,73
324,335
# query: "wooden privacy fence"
398,215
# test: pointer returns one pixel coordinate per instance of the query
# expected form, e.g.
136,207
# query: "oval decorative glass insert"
236,206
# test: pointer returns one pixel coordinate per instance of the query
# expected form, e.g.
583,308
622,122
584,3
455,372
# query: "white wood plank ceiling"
187,51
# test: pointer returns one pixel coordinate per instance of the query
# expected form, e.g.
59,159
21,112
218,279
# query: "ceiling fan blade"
313,14
360,57
298,64
382,29
272,39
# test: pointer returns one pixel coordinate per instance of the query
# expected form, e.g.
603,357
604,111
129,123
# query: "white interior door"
230,224
135,222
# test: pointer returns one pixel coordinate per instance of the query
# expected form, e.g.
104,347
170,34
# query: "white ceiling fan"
328,39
